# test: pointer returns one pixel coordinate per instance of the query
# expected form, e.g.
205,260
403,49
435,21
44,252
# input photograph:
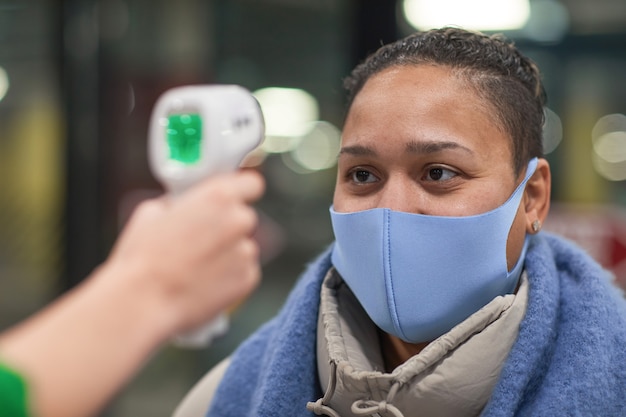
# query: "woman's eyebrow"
357,150
434,146
412,147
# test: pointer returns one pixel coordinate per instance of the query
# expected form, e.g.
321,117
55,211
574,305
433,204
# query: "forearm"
78,352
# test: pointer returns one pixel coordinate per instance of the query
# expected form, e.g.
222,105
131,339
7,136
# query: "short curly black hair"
494,68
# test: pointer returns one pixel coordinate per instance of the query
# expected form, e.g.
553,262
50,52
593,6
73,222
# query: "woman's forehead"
423,103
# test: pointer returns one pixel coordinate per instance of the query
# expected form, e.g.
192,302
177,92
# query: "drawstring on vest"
371,407
320,406
359,407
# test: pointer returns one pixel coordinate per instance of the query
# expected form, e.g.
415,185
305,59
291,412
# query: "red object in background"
599,229
618,254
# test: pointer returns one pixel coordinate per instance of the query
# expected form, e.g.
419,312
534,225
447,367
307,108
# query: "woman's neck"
396,351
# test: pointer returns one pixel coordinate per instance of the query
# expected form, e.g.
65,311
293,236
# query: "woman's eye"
439,174
362,176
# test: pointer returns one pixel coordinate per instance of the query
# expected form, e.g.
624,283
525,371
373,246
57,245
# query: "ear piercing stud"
536,226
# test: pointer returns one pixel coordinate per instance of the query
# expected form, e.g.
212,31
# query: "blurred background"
78,79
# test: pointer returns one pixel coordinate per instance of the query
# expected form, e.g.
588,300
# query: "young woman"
440,295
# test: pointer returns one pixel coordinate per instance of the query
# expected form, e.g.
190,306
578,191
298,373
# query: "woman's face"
418,139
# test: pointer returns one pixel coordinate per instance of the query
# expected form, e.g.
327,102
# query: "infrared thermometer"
195,132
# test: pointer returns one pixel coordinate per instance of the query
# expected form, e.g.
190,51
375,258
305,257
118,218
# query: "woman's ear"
537,197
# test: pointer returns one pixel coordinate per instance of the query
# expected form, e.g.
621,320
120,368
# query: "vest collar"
453,375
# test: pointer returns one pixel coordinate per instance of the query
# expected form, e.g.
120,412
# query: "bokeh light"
288,114
477,15
293,129
4,83
609,147
318,149
552,131
549,21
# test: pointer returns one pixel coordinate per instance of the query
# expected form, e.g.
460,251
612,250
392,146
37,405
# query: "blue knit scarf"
569,359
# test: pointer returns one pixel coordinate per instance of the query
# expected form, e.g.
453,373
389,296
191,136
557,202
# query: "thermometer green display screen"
184,137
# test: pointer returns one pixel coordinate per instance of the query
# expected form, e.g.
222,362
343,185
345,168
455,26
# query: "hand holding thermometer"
195,132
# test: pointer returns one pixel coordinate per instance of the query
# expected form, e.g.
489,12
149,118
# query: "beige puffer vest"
453,376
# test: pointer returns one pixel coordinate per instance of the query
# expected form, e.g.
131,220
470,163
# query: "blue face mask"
417,276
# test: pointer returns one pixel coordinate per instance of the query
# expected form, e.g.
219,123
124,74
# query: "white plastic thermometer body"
197,131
